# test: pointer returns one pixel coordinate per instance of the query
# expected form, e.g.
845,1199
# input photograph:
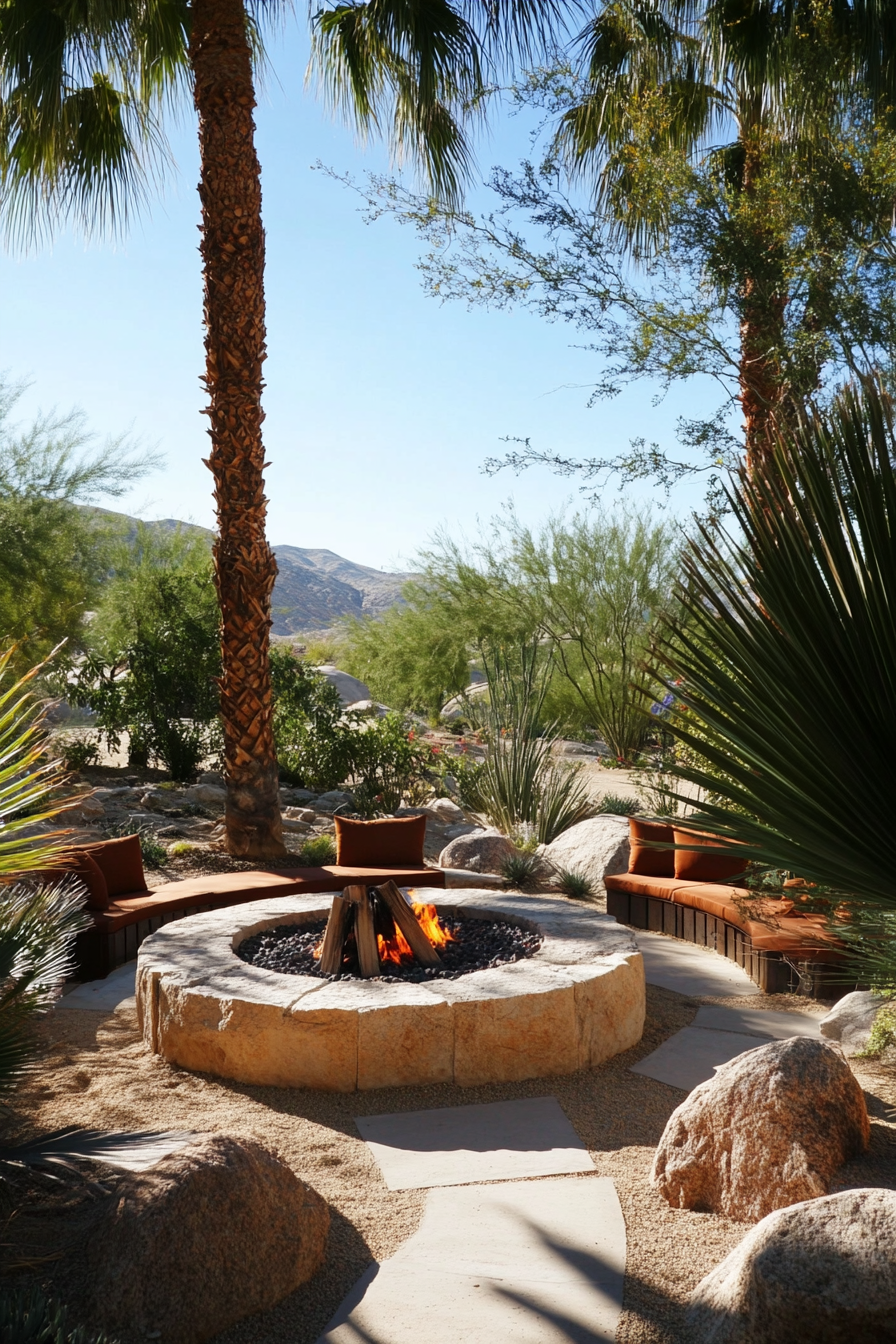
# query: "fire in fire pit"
382,926
362,924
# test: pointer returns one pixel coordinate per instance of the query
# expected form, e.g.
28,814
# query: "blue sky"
381,404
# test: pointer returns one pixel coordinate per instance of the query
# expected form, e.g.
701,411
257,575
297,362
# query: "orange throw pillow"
80,865
646,860
392,842
121,864
703,863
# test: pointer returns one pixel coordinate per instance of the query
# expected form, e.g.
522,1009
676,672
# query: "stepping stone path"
539,1262
460,1145
717,1034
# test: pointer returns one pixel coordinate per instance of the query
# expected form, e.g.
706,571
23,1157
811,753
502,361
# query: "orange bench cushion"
223,889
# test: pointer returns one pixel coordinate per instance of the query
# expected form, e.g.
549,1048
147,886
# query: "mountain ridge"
315,586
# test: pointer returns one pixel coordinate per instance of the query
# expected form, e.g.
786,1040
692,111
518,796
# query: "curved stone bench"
579,1000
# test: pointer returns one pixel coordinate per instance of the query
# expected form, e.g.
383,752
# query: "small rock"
371,707
334,801
482,851
214,1233
299,814
446,810
294,826
301,795
155,801
596,848
770,1129
452,832
212,777
823,1270
121,795
82,809
207,795
851,1019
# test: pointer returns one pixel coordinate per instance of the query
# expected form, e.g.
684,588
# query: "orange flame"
397,950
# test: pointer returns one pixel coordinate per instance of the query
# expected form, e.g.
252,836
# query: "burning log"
342,914
384,927
365,933
407,922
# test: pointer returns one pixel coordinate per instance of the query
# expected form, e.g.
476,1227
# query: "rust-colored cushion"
75,863
663,888
120,863
644,859
703,863
388,843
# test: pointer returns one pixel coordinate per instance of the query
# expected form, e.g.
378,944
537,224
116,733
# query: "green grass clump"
576,886
27,1317
520,872
318,850
615,805
179,848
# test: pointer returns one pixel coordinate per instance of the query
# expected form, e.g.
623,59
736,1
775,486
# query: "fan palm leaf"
784,664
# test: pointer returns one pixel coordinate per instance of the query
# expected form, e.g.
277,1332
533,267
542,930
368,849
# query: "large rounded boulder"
770,1129
823,1270
217,1231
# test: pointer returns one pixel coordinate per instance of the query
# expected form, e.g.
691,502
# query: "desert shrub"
76,753
180,848
314,739
319,849
411,657
576,886
28,1317
520,872
391,763
155,653
618,805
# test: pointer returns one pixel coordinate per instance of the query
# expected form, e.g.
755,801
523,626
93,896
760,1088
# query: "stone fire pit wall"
577,1002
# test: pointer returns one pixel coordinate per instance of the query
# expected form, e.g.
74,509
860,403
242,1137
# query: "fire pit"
562,988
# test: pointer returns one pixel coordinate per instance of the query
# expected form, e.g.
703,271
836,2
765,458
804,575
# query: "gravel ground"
99,1074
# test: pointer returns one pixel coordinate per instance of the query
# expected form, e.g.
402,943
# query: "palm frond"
785,662
130,1150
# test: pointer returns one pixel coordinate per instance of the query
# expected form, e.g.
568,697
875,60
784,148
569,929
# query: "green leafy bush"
28,1317
318,850
77,753
315,740
155,658
391,762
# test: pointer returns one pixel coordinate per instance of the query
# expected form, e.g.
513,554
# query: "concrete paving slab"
539,1262
693,1054
460,1145
104,995
688,969
772,1025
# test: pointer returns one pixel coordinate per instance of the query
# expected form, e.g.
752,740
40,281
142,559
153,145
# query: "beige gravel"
99,1074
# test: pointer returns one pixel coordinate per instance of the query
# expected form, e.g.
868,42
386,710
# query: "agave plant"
39,921
519,785
784,666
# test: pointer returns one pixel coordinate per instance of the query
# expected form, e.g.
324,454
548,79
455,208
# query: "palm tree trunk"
232,251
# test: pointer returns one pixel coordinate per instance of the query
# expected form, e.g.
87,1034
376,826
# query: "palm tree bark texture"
232,250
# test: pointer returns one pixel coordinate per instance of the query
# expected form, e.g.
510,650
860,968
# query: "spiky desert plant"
785,667
576,886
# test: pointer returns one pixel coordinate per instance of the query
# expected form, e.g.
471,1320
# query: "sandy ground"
99,1074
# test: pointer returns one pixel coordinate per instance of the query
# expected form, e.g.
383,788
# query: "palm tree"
676,78
425,65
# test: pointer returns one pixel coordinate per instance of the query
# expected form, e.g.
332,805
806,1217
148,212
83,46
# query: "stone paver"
688,969
718,1034
460,1145
104,996
539,1262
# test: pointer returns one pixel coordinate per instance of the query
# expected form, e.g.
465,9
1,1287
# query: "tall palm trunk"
232,251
